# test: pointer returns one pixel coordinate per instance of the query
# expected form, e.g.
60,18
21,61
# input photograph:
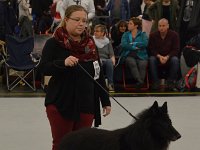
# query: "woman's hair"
122,23
71,9
102,28
136,21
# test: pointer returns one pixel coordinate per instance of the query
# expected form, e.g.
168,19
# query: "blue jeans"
173,68
108,69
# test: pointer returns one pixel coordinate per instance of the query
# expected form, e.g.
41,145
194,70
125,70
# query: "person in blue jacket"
134,43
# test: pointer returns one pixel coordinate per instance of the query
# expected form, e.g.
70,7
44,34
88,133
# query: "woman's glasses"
79,20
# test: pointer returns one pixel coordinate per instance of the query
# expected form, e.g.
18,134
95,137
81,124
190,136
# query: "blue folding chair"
19,59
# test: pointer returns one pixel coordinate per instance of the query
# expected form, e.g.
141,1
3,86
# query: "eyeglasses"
78,20
97,31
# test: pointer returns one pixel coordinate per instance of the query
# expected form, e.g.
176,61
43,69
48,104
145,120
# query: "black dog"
152,131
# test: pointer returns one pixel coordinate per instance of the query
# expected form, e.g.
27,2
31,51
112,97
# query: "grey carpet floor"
24,125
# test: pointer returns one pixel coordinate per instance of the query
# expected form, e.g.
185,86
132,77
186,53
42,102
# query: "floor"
24,125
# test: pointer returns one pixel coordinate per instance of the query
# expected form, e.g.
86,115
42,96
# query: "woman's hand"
71,61
106,110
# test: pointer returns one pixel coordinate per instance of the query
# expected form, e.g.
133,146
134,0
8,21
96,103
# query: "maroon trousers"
61,126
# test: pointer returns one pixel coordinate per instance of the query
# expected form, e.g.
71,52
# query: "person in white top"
24,9
87,4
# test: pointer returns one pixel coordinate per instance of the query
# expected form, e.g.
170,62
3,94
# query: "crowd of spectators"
134,31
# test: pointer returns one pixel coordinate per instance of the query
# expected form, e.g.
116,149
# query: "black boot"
171,86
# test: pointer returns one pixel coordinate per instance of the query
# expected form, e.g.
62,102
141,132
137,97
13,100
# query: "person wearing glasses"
106,53
87,4
73,98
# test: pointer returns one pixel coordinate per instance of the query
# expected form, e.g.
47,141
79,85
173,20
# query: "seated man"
164,50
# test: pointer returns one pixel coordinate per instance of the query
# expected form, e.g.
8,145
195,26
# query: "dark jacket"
191,51
168,46
135,7
194,22
70,88
155,12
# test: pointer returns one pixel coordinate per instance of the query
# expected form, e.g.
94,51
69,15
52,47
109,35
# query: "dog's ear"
155,105
164,107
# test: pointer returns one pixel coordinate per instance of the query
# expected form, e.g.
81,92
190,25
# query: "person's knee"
109,63
175,60
131,63
152,59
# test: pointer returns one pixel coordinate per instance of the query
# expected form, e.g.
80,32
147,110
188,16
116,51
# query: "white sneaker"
111,88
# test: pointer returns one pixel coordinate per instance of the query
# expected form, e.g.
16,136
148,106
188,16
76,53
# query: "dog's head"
159,123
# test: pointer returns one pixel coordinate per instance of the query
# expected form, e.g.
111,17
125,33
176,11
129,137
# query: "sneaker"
111,88
171,86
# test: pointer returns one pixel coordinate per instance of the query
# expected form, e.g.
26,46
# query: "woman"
134,43
106,53
72,99
146,20
116,34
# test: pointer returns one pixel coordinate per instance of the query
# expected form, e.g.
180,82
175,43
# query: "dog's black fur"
152,131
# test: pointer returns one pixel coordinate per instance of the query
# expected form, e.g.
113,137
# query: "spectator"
188,23
134,43
87,4
118,9
24,9
41,15
73,99
164,52
135,8
101,3
45,22
101,17
106,53
116,34
191,58
146,20
56,7
167,9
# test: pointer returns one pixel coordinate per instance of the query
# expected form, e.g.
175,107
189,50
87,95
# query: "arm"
25,5
151,46
91,10
111,53
63,6
143,41
50,64
101,94
108,6
152,10
126,44
175,50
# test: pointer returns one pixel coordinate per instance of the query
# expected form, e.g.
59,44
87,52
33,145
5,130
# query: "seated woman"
134,43
106,53
116,34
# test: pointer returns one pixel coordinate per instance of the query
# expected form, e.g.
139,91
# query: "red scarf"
84,50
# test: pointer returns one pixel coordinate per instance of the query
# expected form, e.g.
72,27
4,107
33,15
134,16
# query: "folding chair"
130,86
19,52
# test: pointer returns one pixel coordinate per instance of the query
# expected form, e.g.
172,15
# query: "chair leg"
133,88
11,86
